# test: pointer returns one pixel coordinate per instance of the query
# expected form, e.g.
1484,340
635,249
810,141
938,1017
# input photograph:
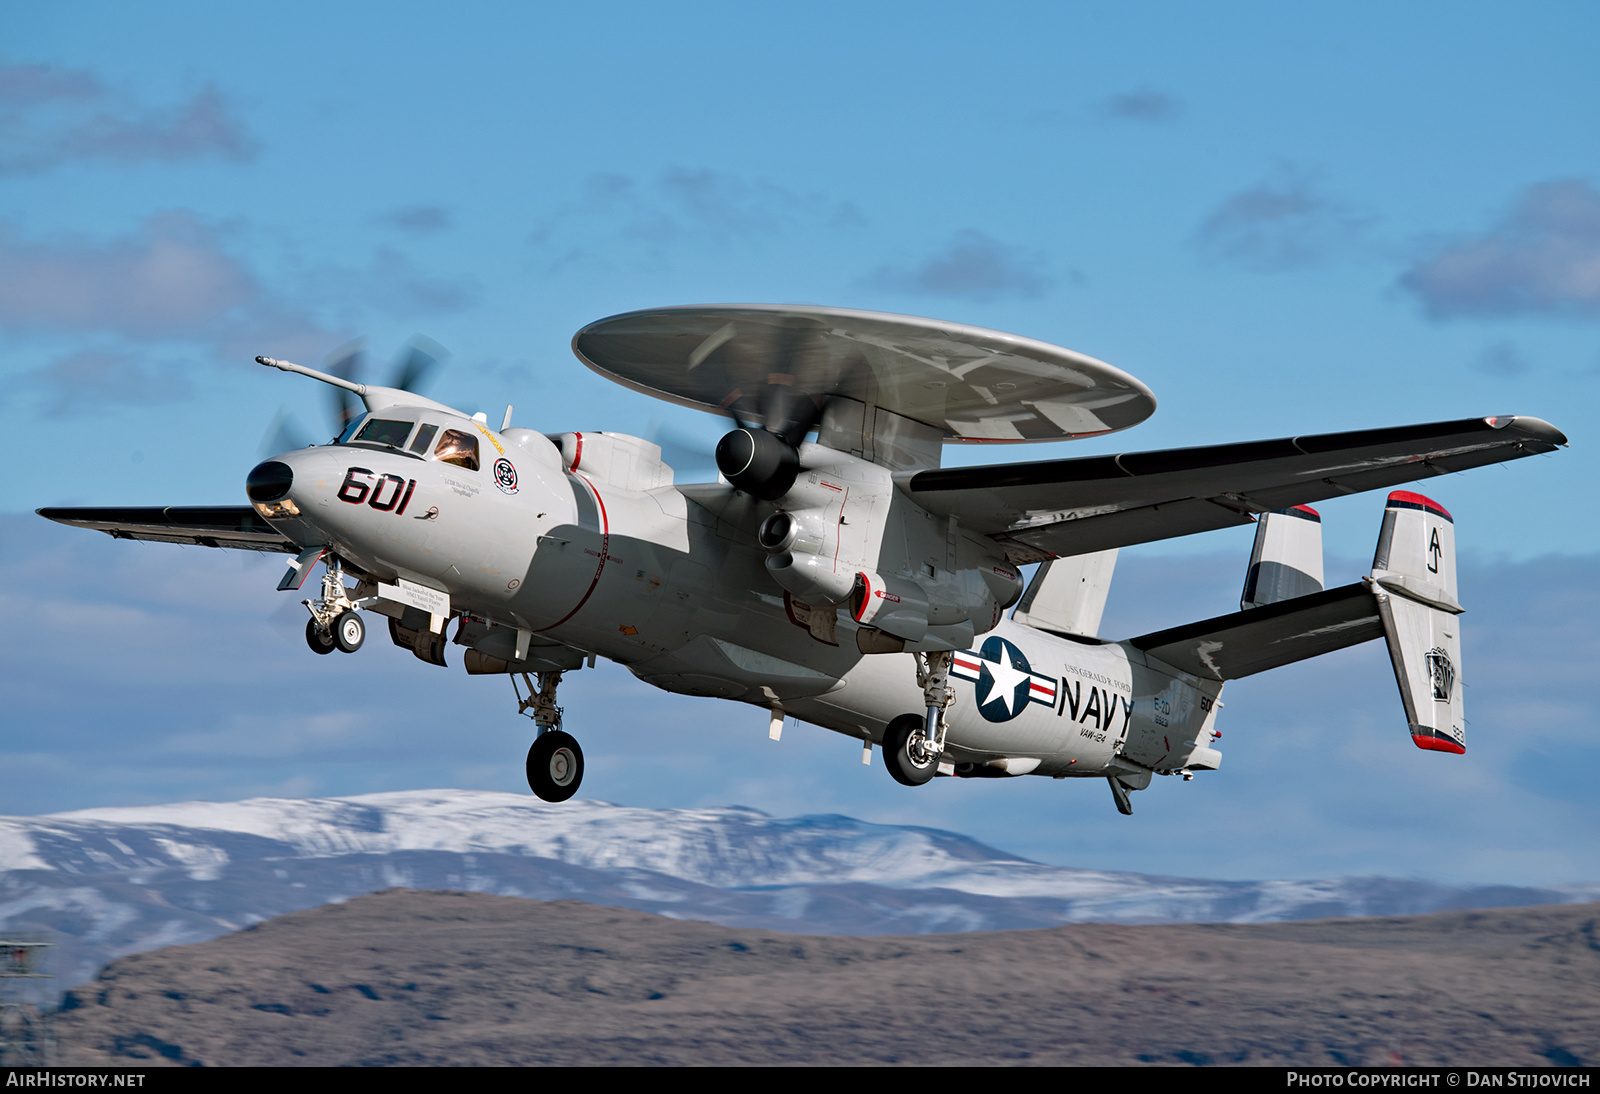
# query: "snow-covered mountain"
112,881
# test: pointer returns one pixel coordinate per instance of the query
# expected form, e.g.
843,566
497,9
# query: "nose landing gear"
349,632
335,623
318,638
555,762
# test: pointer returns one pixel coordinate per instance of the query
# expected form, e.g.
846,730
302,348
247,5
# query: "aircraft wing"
235,526
1055,508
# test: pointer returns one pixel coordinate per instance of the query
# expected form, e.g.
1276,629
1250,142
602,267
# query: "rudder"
1068,595
1414,580
1286,561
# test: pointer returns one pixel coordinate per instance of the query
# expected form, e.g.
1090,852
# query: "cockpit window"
458,448
424,438
385,431
349,431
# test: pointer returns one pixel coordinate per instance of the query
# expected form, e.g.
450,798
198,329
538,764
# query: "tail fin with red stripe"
1414,579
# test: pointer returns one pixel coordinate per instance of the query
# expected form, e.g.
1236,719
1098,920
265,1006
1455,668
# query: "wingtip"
1536,428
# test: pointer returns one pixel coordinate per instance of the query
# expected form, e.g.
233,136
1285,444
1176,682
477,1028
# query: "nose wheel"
319,639
335,624
349,632
555,766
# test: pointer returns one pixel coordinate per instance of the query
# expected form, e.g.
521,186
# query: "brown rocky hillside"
409,977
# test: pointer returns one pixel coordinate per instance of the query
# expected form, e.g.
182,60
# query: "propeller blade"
682,451
421,356
788,410
776,378
284,435
348,363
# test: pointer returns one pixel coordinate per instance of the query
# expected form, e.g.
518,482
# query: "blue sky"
1283,219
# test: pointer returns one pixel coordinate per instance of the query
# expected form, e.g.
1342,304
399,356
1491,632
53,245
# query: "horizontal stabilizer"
1231,646
236,526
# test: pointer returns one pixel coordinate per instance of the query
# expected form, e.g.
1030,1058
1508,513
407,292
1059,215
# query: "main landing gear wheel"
903,754
349,632
555,766
319,640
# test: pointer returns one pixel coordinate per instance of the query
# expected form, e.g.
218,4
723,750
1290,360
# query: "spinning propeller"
761,454
412,367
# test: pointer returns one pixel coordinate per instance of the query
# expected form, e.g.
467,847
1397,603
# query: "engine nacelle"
944,610
811,578
843,535
892,604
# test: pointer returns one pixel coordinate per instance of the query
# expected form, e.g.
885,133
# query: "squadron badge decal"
505,476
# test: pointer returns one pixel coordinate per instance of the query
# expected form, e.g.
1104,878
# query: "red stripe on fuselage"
605,553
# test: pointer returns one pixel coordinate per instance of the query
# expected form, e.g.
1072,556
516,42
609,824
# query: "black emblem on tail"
1441,673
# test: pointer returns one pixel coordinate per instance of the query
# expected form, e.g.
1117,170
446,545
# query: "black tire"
555,766
319,640
908,768
349,632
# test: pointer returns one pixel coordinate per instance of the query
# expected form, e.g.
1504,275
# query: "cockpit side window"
385,431
424,438
349,431
458,448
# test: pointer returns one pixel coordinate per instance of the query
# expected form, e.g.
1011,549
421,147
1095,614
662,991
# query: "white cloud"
50,116
87,379
686,206
972,266
1144,105
1541,257
169,282
1502,359
421,219
391,282
169,278
1283,224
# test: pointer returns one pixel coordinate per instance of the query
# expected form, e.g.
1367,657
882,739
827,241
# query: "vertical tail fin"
1287,559
1414,579
1068,595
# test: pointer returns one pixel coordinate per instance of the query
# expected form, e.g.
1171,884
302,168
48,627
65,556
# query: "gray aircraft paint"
644,579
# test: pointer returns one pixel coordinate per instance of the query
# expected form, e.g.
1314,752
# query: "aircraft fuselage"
535,551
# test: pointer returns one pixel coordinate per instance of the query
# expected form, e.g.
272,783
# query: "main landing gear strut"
912,744
555,762
334,622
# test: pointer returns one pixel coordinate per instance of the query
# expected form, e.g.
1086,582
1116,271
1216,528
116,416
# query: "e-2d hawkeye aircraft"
850,581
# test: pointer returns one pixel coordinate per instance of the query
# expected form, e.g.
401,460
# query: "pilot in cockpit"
458,448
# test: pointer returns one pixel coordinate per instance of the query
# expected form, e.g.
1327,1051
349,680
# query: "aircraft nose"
269,481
